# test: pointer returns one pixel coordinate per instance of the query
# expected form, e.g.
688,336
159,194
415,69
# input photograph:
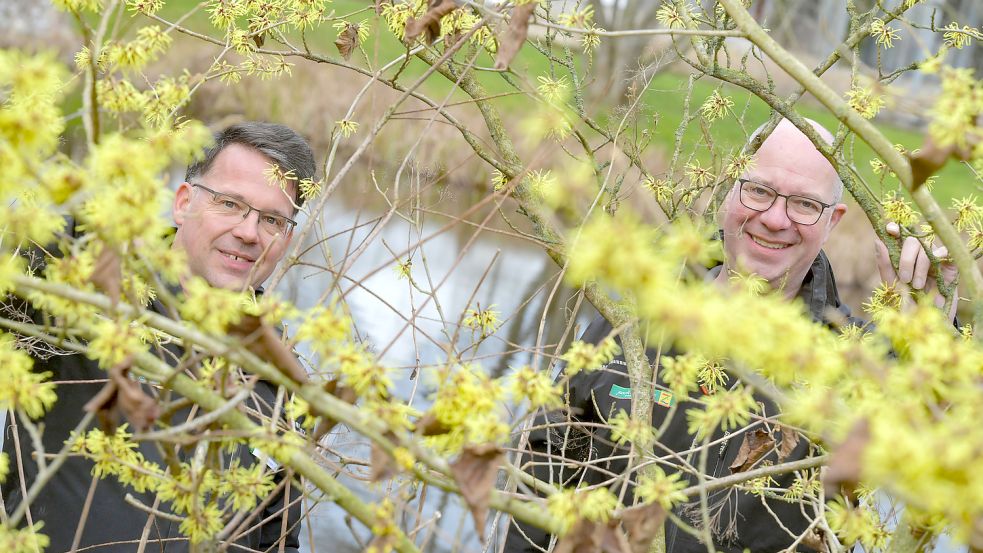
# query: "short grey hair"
824,134
281,144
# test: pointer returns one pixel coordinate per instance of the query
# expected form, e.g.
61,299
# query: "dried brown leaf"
593,537
429,22
341,392
121,394
755,446
927,160
264,341
347,41
475,472
382,465
429,425
790,439
642,524
108,273
510,43
814,540
844,470
259,39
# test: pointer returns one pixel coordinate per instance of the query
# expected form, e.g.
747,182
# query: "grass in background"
662,104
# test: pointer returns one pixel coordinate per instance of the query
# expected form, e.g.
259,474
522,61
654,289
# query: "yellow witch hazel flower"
897,209
213,309
698,174
23,540
11,266
857,524
957,108
726,409
467,403
346,127
591,40
20,387
360,370
246,486
626,430
115,340
554,90
716,106
577,17
672,16
570,505
865,101
655,486
968,212
681,373
485,320
590,357
690,241
202,522
957,38
739,165
324,327
537,387
883,35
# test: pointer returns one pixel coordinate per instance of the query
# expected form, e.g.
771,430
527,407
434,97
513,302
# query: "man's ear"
182,201
838,211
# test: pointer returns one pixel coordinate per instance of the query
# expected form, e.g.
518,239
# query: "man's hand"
915,271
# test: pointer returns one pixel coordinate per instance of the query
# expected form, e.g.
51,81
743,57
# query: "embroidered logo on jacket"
662,397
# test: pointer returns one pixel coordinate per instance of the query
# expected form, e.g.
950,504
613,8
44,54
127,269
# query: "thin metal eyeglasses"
270,223
801,210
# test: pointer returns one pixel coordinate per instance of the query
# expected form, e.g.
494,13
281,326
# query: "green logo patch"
662,397
620,392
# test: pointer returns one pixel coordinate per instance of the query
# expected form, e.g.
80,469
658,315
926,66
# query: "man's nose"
776,216
247,229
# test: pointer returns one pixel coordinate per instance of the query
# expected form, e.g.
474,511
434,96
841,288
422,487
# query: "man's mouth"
767,244
237,257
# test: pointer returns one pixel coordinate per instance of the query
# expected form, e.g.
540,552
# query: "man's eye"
807,205
230,204
759,191
273,220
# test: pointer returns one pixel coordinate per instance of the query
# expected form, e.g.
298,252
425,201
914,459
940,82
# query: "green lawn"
663,101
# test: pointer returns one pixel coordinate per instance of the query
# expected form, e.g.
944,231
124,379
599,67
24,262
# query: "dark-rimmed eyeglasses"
229,206
801,210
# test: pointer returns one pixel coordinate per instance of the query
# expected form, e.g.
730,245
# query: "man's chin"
227,282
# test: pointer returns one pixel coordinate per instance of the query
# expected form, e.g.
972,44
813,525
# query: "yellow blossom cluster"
570,505
197,493
468,404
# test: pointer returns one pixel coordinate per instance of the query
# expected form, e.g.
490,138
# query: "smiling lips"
767,244
238,257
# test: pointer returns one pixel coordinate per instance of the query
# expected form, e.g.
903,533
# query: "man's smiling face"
767,243
230,251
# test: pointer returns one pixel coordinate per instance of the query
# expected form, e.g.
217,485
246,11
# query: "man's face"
768,243
225,249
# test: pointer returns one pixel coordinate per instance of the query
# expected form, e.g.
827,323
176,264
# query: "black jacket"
111,521
740,521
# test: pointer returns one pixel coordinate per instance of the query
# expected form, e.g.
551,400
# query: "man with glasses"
775,220
233,224
234,217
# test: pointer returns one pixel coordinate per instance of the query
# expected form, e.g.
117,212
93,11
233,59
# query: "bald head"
788,140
